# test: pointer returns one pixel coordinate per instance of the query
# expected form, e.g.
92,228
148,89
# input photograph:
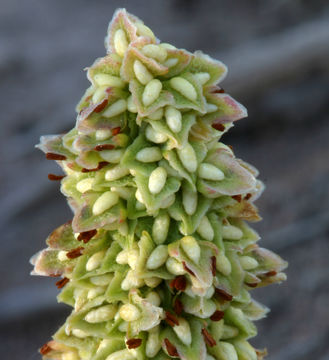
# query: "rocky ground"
277,53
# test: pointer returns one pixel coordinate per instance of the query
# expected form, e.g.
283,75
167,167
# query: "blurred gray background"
277,52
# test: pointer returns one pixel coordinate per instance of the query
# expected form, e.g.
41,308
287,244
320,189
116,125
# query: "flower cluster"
159,260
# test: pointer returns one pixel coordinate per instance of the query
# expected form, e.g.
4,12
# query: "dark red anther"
230,146
171,349
218,91
213,265
223,294
271,273
99,167
208,339
75,253
238,198
134,343
45,349
217,315
179,283
171,319
104,147
101,106
61,283
186,268
178,307
252,285
86,236
116,130
52,156
54,177
219,127
248,196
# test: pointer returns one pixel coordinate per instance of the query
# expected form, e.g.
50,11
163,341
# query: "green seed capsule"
105,202
191,248
210,172
103,313
115,109
160,228
142,73
183,331
174,119
157,258
151,92
120,42
231,232
157,180
190,200
248,263
188,158
112,156
205,229
109,80
116,173
184,87
149,154
155,52
154,136
202,77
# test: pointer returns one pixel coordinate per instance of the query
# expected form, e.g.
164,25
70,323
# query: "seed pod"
244,350
133,257
154,136
151,92
153,343
228,350
188,158
105,202
155,52
92,293
116,173
95,260
248,263
202,77
156,115
149,154
154,298
211,108
190,200
171,62
109,80
129,312
152,282
103,134
120,42
116,108
157,180
132,280
157,258
84,185
123,192
121,355
112,156
191,248
184,87
174,119
223,264
231,232
210,172
175,267
144,30
139,197
103,313
79,333
160,228
101,280
70,356
183,331
229,332
167,202
142,73
131,106
205,229
99,94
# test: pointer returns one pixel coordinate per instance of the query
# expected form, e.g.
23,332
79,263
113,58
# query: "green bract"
158,260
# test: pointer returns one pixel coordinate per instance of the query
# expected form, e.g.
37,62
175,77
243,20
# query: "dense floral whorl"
158,260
